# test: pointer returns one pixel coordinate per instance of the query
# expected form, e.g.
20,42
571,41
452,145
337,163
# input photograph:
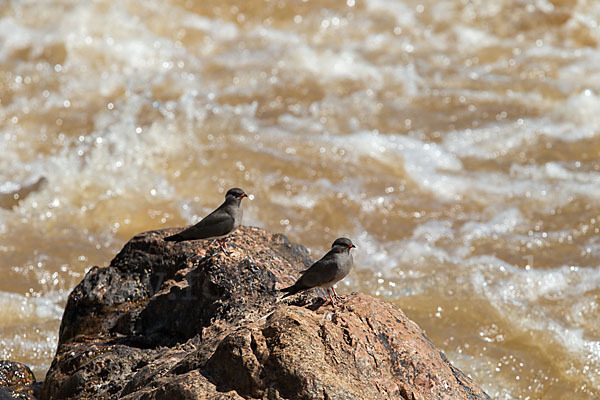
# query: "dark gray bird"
332,268
218,223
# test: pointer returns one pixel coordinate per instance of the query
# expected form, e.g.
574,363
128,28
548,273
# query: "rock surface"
185,321
16,381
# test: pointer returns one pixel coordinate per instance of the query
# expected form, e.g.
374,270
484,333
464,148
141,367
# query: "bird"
218,224
332,268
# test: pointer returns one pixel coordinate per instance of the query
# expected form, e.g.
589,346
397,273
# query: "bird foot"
335,295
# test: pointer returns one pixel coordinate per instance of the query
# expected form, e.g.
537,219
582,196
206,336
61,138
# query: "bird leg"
222,244
331,298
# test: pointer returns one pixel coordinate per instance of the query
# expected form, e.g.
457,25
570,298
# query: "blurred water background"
456,142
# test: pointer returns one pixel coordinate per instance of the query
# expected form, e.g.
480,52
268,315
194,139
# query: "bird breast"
345,262
237,216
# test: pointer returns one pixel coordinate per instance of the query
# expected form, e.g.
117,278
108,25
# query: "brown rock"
16,380
367,349
182,320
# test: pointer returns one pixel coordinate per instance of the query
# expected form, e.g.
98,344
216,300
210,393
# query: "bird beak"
351,246
243,195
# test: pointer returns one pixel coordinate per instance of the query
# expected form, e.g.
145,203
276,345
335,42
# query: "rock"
184,320
366,350
16,381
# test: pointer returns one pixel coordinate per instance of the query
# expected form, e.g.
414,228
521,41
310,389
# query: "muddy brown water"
455,142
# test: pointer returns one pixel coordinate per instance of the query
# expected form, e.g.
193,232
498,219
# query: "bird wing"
218,223
321,272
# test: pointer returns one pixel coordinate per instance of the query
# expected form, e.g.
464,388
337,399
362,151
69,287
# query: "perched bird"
333,267
218,223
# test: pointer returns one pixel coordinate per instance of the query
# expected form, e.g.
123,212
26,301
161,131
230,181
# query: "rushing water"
456,142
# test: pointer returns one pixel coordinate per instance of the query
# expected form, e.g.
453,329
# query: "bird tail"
174,238
291,290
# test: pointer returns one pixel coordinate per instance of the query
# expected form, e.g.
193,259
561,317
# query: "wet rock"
184,320
16,381
12,193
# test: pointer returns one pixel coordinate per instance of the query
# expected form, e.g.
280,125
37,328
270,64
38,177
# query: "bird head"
343,244
235,193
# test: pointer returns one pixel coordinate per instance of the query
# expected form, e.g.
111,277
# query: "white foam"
581,110
403,15
429,165
218,29
471,38
326,65
16,310
523,290
15,36
302,200
502,222
438,170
